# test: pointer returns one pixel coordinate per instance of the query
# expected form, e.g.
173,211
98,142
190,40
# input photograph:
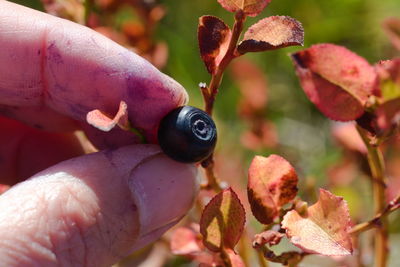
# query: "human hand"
92,209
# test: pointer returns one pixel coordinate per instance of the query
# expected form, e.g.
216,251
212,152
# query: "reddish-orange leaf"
106,123
250,7
272,183
213,36
185,241
324,230
222,221
331,100
272,33
336,80
392,28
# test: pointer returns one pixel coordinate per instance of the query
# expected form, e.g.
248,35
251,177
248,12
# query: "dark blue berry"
187,134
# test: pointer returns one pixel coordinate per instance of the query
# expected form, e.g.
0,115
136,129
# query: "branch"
209,93
229,55
377,220
377,166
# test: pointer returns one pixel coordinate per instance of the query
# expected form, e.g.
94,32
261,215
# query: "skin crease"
94,209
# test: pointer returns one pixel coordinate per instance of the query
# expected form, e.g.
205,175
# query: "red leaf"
222,221
392,28
272,33
272,183
185,241
106,123
213,36
250,7
325,228
336,80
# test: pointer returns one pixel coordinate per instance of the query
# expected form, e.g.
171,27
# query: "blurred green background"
304,134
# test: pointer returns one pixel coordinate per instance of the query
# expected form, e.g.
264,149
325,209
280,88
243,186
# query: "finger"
26,151
93,210
52,65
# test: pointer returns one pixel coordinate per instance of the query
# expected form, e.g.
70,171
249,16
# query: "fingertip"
163,189
111,202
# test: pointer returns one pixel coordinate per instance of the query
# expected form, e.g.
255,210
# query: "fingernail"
163,190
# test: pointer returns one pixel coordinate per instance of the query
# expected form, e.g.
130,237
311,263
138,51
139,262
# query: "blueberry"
187,134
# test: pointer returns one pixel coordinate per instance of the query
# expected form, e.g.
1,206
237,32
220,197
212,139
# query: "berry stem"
209,93
139,134
377,167
213,182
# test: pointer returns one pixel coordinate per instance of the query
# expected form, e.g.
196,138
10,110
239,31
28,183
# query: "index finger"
54,68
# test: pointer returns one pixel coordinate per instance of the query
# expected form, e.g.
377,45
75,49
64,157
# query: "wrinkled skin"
80,210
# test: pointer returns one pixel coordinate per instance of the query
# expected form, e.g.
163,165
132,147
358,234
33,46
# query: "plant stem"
209,93
377,220
213,182
229,55
377,166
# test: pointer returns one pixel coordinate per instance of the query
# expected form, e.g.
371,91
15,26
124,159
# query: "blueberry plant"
344,87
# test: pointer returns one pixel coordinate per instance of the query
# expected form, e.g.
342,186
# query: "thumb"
95,209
